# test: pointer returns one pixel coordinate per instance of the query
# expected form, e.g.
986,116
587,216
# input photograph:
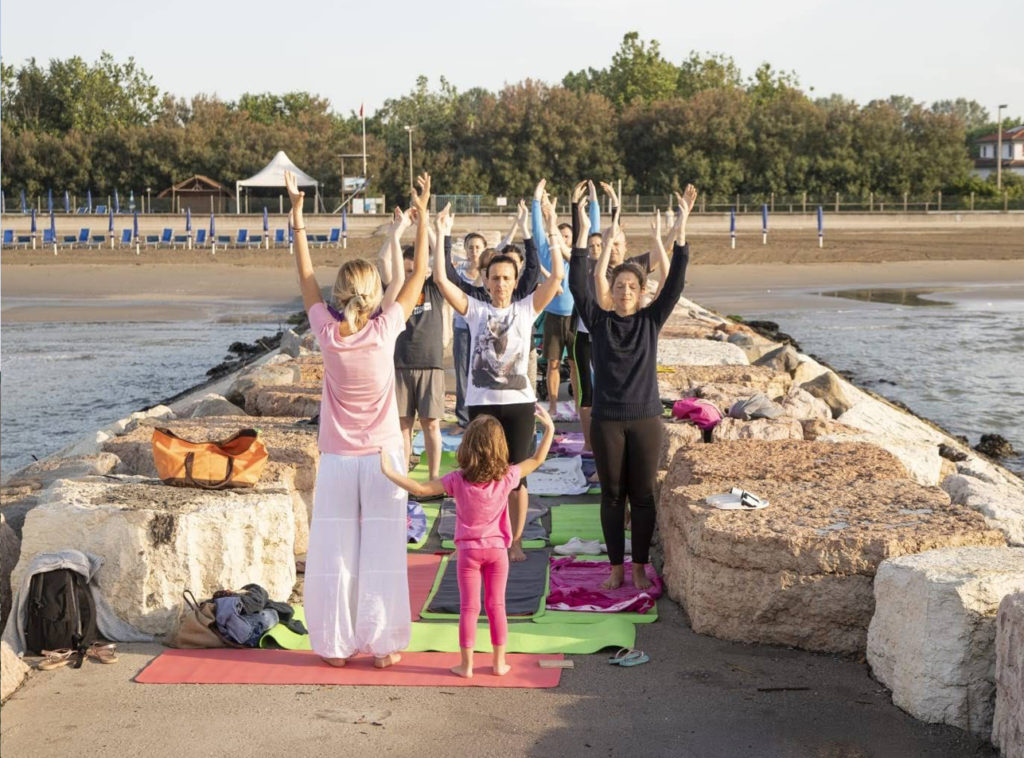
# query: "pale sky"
353,52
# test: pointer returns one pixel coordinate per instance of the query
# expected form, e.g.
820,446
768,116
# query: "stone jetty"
874,540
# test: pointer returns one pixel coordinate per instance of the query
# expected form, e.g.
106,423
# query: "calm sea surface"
959,362
63,381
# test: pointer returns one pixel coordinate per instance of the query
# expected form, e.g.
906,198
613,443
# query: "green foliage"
643,119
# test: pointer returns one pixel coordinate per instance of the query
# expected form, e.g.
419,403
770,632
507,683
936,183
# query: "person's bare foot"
386,661
466,672
336,662
500,669
515,553
640,580
614,581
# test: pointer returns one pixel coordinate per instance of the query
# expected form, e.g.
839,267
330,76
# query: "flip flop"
102,652
55,659
629,657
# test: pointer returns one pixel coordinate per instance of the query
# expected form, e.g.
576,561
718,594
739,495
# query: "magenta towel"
576,586
567,443
701,412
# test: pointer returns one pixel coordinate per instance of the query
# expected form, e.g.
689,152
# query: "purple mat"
576,586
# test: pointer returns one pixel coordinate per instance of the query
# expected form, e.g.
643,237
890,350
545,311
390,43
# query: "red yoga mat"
232,666
422,571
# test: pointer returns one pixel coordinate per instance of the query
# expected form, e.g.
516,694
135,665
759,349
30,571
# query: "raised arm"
455,297
603,292
659,258
676,277
595,209
536,460
414,488
307,280
413,286
548,289
528,279
579,269
613,227
395,264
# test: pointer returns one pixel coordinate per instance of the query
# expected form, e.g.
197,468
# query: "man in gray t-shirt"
419,370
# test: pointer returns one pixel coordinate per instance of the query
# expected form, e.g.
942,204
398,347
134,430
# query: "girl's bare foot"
515,553
466,672
336,662
386,661
500,669
614,581
640,580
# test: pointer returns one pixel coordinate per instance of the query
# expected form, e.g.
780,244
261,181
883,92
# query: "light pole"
409,130
149,202
999,146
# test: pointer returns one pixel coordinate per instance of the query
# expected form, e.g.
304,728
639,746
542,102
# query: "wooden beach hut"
198,193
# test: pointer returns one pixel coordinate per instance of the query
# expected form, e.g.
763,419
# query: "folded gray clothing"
534,529
755,406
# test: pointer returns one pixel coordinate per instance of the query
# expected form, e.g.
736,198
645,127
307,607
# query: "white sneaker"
628,550
576,546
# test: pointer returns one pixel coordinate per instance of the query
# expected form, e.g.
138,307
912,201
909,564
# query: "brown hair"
483,452
357,292
630,268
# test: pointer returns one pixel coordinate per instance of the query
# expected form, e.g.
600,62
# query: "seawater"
63,381
952,355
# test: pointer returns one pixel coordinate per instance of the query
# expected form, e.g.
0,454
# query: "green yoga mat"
427,614
588,617
581,520
576,639
431,509
448,464
283,637
528,544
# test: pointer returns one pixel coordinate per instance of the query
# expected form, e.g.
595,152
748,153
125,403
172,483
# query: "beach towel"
701,412
559,476
449,442
567,444
416,522
576,586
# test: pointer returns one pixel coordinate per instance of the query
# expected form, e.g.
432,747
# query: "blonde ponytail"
357,292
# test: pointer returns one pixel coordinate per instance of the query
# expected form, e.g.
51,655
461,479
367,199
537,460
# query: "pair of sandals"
629,657
737,500
101,652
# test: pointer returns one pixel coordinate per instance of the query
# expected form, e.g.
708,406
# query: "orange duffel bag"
235,462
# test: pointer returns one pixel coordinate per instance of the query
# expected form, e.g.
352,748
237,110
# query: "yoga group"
382,345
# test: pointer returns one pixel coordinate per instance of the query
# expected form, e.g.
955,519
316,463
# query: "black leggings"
518,424
626,454
581,356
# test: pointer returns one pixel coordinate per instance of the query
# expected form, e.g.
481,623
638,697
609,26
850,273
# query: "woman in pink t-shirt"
483,533
356,587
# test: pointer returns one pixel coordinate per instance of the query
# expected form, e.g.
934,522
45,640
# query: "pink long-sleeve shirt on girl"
358,414
481,509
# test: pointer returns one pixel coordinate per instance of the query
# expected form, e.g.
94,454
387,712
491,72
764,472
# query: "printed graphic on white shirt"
501,344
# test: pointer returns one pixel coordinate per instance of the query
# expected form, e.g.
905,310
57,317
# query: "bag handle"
218,485
191,600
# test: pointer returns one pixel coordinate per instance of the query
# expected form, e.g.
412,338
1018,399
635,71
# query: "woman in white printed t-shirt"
501,338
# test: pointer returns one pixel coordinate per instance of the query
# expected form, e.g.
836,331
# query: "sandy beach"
105,285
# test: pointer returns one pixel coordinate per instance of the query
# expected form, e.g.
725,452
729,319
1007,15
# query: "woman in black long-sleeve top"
626,418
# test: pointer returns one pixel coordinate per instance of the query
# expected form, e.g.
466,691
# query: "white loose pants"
357,585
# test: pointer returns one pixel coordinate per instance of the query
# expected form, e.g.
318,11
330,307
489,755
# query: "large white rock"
213,404
1000,504
932,638
877,417
269,374
921,459
12,671
677,434
684,352
780,428
10,549
803,406
807,370
1008,720
157,541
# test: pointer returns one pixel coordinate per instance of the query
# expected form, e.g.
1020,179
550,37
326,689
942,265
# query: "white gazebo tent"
272,175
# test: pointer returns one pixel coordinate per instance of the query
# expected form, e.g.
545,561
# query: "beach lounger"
83,238
8,238
180,239
49,238
335,239
69,240
126,237
223,240
165,238
319,239
24,239
256,240
279,238
98,240
200,238
100,209
242,239
152,239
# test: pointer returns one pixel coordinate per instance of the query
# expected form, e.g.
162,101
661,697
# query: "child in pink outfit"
483,533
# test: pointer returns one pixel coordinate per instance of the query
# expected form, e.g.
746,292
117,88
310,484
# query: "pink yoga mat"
422,571
231,666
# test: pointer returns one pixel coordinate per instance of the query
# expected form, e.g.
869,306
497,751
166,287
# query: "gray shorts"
420,391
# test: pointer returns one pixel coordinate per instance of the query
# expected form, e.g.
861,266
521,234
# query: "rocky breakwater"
799,572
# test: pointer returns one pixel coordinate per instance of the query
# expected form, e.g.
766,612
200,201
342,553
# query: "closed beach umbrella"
33,221
3,202
764,223
821,228
88,201
344,229
117,202
135,226
24,208
110,222
732,227
266,220
188,220
67,202
53,227
131,200
49,199
213,228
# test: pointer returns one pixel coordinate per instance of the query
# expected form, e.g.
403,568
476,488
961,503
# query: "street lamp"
409,130
999,147
149,202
